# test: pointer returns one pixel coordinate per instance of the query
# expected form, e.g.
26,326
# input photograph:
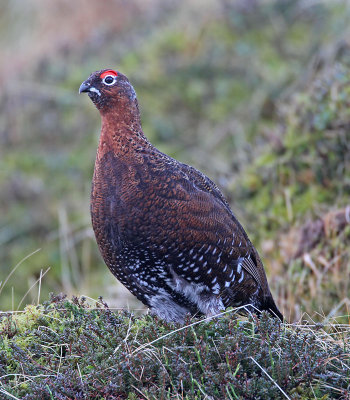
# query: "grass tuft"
79,349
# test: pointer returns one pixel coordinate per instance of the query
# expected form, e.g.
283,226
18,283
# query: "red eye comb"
109,72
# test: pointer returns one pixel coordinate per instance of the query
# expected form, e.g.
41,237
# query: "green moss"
101,353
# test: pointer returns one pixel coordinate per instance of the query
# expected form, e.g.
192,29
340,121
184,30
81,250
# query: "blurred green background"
253,93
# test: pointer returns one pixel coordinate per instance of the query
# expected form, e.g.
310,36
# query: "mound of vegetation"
261,107
70,350
211,81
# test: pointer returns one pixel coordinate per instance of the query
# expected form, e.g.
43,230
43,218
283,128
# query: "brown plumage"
163,228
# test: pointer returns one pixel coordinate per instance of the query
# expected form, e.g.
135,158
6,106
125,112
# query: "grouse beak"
85,87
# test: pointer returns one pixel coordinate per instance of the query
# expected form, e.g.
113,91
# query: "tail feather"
270,306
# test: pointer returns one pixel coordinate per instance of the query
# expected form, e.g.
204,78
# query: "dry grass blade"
8,394
139,391
39,289
188,326
38,280
272,380
14,269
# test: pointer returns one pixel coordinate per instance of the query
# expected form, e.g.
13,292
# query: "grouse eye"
109,80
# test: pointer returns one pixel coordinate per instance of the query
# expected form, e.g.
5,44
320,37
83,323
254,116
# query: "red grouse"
164,229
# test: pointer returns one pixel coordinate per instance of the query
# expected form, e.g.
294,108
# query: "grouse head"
108,89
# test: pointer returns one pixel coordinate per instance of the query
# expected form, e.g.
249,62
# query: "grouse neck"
121,131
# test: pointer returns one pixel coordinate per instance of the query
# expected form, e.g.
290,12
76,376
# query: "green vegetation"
66,350
256,95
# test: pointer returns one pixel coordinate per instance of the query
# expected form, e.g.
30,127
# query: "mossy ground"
71,350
